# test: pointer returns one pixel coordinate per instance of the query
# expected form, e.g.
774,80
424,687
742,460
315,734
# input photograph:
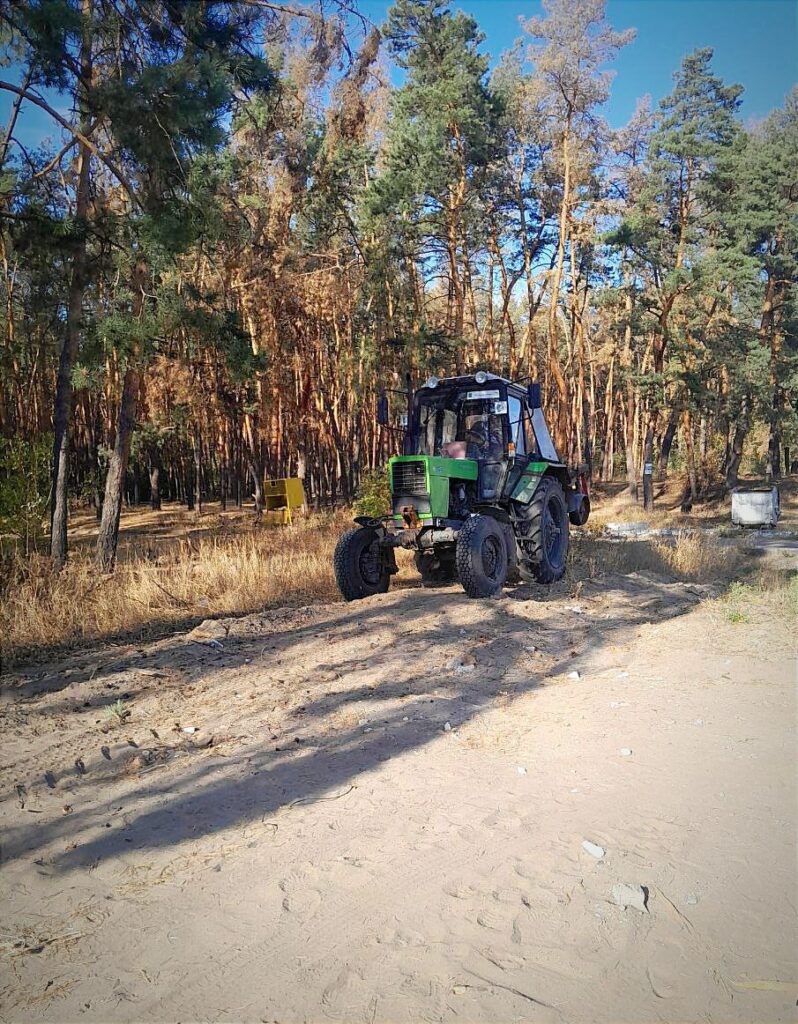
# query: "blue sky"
755,44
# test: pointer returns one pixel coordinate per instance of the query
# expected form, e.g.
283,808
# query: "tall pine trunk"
108,536
631,418
564,427
648,459
155,484
62,409
198,470
667,444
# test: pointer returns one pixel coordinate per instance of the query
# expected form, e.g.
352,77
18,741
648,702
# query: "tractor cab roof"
480,377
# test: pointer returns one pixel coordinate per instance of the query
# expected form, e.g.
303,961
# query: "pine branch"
79,136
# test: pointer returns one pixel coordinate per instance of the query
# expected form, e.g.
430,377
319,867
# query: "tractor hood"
422,481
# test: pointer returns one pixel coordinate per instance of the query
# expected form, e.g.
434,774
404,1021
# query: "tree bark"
667,444
626,362
108,536
740,431
555,371
691,466
648,468
198,471
155,486
610,407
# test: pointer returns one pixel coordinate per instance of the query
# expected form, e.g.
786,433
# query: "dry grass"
167,580
772,595
691,558
231,574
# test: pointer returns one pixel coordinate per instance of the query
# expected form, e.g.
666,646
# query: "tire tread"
344,566
472,585
542,572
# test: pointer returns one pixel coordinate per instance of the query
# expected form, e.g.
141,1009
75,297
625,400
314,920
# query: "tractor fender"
375,524
498,514
579,497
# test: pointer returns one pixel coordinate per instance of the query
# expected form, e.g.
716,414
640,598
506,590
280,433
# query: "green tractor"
480,494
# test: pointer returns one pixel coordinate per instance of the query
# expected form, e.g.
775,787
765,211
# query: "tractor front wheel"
481,556
360,569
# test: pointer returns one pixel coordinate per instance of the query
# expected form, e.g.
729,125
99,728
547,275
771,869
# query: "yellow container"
282,497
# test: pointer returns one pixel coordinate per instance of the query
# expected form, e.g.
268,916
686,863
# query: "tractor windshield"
465,424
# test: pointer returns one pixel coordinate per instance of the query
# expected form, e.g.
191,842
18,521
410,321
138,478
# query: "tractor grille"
409,478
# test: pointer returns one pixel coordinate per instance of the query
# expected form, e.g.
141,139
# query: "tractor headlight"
480,377
431,382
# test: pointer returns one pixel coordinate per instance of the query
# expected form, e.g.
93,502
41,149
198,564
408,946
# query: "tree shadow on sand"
209,795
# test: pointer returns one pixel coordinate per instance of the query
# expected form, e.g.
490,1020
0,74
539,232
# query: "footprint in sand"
492,919
400,937
347,997
513,896
503,822
462,891
302,898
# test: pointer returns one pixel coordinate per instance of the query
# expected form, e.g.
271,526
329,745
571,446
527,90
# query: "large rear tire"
360,569
546,537
481,556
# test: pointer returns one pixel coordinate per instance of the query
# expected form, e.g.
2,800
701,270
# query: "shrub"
25,488
374,494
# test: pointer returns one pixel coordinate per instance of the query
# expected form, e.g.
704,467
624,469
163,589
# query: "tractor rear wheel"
360,568
435,568
546,536
481,556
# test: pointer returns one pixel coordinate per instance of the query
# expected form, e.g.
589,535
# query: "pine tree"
440,140
696,126
763,215
573,43
150,84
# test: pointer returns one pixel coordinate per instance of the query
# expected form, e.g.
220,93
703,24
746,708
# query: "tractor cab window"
427,423
531,441
448,426
457,426
517,415
481,429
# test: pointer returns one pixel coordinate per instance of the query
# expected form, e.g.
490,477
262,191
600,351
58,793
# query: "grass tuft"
738,599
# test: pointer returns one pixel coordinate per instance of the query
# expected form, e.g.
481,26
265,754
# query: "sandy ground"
381,812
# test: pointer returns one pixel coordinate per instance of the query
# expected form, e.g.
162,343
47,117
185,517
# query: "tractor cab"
482,418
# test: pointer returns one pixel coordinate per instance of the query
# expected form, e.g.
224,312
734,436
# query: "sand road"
380,816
